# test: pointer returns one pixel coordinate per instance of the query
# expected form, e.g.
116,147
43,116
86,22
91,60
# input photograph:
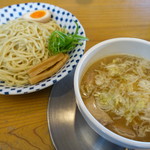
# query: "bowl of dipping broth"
112,89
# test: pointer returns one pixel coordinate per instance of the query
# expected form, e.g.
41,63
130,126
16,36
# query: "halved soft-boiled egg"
42,16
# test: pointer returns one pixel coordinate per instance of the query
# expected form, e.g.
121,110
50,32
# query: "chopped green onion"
61,42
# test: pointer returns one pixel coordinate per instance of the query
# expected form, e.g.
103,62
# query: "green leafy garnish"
61,42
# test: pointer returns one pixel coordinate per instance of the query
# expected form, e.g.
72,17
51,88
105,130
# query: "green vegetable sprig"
59,41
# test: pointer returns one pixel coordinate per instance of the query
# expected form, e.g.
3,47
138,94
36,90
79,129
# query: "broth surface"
116,90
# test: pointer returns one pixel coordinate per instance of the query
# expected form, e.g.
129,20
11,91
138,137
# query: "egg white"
46,18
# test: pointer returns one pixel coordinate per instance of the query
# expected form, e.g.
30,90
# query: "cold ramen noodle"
33,48
23,44
116,90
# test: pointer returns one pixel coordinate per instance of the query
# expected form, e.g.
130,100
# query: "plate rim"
47,83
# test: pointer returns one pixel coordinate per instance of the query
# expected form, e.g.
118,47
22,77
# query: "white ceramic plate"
64,19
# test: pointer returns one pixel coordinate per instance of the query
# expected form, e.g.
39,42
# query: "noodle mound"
22,45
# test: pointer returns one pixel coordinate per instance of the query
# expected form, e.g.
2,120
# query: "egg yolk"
38,14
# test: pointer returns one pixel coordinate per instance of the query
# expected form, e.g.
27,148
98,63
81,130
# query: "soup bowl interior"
130,46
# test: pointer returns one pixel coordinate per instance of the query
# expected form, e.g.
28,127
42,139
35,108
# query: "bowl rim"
82,107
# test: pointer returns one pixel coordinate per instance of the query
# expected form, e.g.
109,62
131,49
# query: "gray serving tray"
68,129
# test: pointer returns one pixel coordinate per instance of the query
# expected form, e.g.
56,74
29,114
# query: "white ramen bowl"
131,46
65,19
